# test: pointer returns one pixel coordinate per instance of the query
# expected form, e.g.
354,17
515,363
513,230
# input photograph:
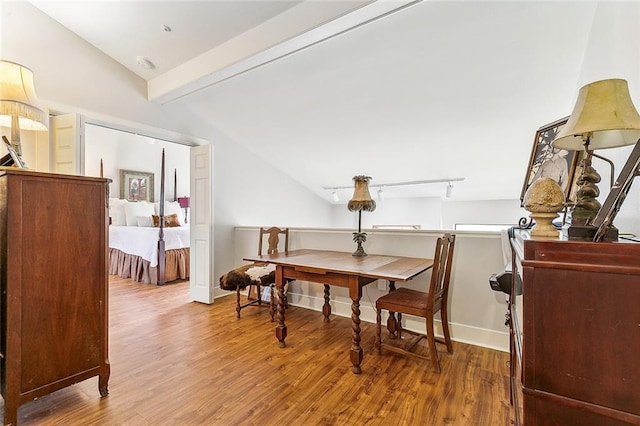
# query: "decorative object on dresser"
361,200
545,161
54,292
604,117
421,304
258,275
574,332
184,203
544,199
12,158
19,106
604,219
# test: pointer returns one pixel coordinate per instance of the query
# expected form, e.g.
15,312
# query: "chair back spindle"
273,239
441,273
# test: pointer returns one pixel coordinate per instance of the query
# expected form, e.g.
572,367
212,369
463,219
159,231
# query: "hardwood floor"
174,362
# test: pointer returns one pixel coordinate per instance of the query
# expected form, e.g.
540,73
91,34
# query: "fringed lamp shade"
18,98
19,105
361,199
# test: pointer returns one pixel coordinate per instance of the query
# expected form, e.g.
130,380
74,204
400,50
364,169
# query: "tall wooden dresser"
53,278
575,332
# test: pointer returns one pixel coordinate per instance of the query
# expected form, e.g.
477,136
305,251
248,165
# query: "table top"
393,268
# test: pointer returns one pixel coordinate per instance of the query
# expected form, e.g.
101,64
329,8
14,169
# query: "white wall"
426,212
70,75
122,150
491,212
431,213
476,313
249,192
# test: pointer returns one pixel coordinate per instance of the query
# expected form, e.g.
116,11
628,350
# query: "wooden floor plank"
175,362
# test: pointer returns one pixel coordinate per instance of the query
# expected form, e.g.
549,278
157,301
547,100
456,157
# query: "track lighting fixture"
382,186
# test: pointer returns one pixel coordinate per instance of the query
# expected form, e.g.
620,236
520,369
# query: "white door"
67,144
35,150
201,223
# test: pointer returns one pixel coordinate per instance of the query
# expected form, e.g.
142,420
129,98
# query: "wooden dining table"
340,269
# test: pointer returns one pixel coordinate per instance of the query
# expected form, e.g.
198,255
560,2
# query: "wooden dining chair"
421,304
258,275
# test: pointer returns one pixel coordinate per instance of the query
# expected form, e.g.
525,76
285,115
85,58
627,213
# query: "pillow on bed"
133,210
116,211
174,208
145,221
170,221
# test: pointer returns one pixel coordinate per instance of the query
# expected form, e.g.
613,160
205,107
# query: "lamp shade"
361,199
605,114
184,202
18,98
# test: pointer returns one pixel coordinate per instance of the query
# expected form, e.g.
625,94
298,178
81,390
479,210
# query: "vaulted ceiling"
397,90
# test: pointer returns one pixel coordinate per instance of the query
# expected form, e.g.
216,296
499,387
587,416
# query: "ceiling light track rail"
411,182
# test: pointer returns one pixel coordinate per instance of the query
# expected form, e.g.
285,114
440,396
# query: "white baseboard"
459,332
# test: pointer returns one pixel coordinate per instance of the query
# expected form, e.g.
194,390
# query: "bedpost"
175,184
161,255
101,169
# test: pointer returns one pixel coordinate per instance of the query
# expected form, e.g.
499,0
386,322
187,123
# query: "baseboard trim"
471,335
477,336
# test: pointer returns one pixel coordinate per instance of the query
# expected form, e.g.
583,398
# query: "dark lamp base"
587,233
359,252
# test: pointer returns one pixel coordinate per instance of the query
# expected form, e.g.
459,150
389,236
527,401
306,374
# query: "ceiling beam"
295,29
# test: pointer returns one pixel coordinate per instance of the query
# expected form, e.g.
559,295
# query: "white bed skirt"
135,267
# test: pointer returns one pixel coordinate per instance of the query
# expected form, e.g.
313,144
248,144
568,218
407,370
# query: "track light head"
449,190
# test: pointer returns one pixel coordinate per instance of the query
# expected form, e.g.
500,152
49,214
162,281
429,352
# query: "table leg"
281,328
356,351
391,321
355,354
326,308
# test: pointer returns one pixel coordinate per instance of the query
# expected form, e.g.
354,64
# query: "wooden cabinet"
579,322
53,277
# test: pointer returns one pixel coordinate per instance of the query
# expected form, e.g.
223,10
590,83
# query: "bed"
148,242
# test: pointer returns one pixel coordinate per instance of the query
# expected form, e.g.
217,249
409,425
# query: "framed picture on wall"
547,161
136,186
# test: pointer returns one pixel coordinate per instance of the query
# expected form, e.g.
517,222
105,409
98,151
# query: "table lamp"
604,117
19,105
361,200
184,203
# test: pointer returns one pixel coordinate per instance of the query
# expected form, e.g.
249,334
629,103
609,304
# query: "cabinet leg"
103,380
10,414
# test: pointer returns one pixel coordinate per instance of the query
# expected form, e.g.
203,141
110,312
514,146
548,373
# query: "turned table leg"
281,328
356,350
326,308
391,321
355,354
